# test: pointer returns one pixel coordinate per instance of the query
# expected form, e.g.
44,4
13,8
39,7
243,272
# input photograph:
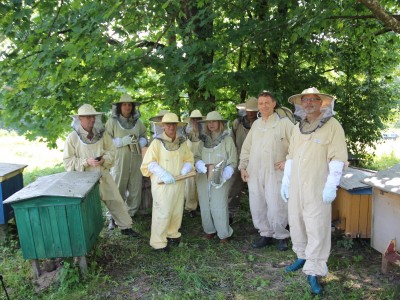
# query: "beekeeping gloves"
227,173
187,167
286,180
165,176
142,142
201,167
333,180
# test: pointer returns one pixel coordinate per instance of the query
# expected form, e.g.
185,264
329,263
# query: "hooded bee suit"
78,149
167,198
213,200
313,148
126,171
266,144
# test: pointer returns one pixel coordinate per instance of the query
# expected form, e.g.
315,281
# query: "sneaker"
111,225
130,232
314,284
224,241
282,245
298,264
263,241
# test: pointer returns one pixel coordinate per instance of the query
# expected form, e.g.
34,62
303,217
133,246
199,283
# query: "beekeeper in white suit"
217,146
89,148
261,165
317,156
129,137
167,156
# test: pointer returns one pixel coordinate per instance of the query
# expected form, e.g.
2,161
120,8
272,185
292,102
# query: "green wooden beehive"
58,215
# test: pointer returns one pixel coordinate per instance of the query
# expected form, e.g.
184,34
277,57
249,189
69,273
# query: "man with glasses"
314,165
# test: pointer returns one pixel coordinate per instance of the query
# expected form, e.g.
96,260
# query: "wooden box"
351,212
58,215
11,181
352,209
385,207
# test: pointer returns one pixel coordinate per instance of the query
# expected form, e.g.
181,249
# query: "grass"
126,268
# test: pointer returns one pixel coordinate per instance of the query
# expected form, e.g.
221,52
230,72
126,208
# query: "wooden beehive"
351,211
385,207
11,181
58,215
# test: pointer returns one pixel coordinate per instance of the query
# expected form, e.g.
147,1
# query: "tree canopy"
187,54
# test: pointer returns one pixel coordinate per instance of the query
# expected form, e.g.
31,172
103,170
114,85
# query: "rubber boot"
314,284
298,264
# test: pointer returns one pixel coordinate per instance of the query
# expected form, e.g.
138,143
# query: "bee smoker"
134,145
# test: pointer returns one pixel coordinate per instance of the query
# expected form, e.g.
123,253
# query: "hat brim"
133,102
204,121
187,119
88,114
241,106
161,123
296,99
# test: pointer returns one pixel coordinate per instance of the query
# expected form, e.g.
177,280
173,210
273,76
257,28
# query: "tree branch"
387,19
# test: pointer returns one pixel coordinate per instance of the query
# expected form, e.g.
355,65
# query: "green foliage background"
181,55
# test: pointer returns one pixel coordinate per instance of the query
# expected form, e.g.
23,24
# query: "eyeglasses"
304,100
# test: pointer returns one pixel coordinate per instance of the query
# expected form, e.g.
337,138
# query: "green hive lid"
66,184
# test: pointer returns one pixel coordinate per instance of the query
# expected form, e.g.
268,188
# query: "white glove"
227,173
126,140
333,180
117,142
142,142
201,167
165,176
286,180
187,167
329,194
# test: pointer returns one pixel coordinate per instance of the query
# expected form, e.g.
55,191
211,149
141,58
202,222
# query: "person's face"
213,126
126,109
251,115
87,122
194,123
170,129
266,105
311,104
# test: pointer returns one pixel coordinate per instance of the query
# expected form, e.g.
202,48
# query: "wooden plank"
76,230
55,233
354,215
61,213
364,215
37,234
47,232
25,233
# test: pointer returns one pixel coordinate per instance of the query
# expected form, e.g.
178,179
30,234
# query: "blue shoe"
298,264
314,284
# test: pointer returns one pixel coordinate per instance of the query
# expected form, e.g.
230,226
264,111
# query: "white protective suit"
167,198
309,217
266,144
213,201
78,149
126,170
